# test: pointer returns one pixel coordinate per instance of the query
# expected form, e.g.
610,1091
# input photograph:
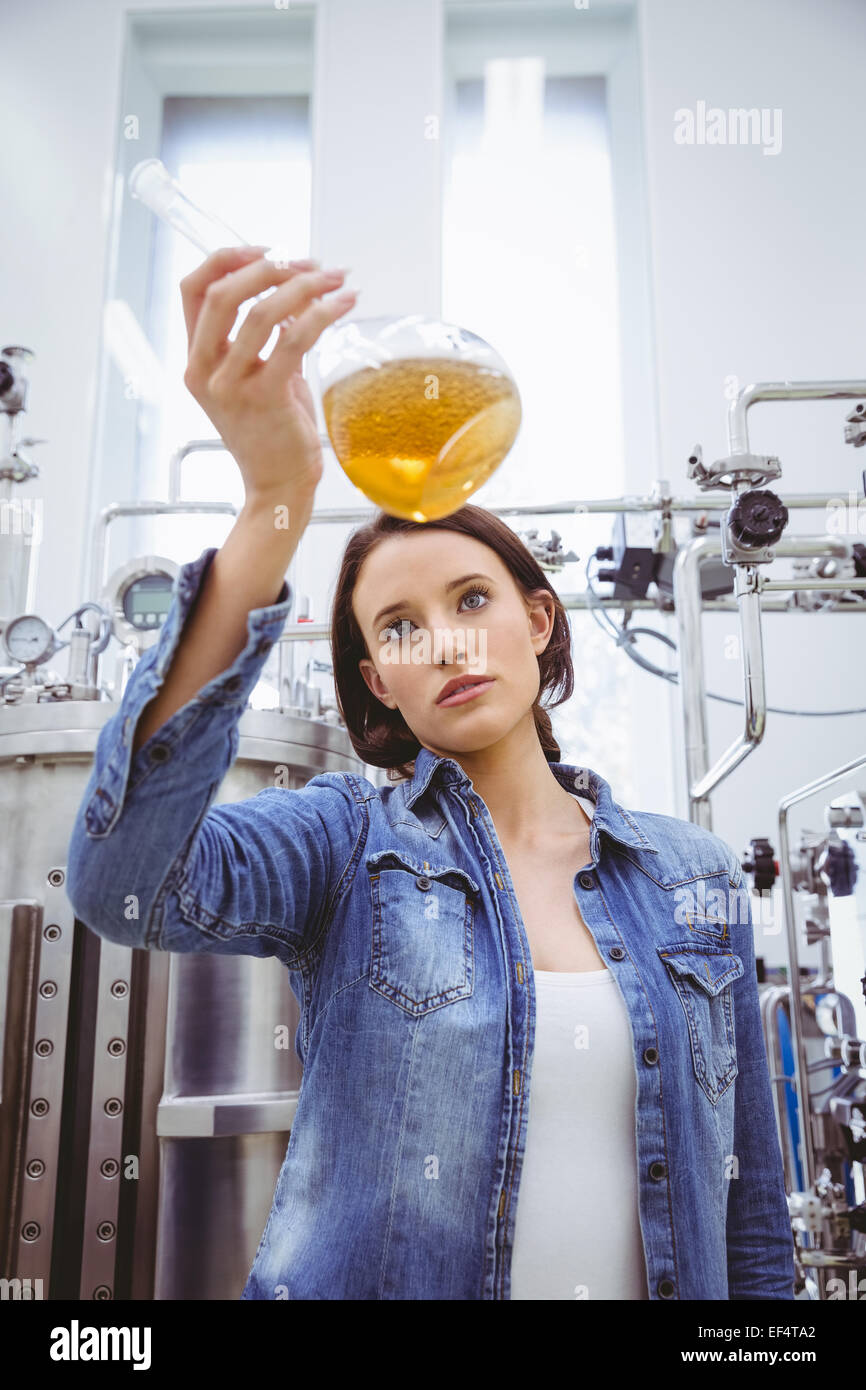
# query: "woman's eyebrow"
404,603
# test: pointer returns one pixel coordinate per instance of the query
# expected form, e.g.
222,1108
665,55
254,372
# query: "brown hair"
380,736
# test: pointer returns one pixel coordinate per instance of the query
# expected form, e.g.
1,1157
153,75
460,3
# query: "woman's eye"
404,624
476,593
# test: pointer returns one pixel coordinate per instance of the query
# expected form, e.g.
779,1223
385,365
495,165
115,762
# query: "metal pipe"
831,585
333,515
775,999
192,446
688,608
693,697
752,646
803,501
97,577
738,430
800,1065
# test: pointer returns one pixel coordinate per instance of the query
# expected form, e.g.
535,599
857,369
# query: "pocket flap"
704,922
445,873
710,967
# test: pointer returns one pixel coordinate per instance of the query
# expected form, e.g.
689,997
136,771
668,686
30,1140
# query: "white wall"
61,79
757,273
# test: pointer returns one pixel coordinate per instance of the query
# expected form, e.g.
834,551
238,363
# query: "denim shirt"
395,914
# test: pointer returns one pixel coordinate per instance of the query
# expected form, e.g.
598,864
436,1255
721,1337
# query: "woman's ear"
542,619
374,682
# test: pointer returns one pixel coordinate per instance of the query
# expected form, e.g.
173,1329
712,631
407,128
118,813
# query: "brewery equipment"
146,1109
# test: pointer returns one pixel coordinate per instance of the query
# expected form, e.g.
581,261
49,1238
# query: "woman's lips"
462,696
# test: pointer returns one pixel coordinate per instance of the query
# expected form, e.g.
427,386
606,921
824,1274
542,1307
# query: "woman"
509,985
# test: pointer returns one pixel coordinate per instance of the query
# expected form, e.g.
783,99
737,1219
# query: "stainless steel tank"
145,1110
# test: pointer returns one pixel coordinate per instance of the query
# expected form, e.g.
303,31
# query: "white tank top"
577,1226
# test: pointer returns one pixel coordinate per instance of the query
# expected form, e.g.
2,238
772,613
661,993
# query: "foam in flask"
420,413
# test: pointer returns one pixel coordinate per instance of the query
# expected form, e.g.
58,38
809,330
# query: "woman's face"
423,628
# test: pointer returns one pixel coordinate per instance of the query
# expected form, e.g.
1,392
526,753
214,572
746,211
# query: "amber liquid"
418,435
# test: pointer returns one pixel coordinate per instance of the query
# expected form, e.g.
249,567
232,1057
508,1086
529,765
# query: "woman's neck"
529,806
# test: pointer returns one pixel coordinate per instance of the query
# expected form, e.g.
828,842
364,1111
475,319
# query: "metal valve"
758,518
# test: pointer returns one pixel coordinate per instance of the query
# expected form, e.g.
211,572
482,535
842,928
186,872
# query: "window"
223,98
529,261
534,250
246,159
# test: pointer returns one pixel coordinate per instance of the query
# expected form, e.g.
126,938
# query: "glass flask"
152,184
419,413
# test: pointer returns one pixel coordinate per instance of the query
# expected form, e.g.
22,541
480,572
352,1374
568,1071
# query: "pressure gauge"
29,640
139,596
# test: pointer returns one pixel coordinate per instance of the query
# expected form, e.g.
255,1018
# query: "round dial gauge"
29,640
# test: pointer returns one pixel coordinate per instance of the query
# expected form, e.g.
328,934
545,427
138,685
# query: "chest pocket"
706,925
422,937
703,977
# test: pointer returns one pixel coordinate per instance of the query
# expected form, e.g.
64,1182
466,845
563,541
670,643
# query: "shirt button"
586,880
158,753
422,883
616,953
666,1288
651,1056
658,1170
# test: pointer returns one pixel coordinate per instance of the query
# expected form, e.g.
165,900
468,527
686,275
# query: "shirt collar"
609,815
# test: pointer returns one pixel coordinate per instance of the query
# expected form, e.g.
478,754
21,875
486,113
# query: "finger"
220,301
298,337
194,285
287,301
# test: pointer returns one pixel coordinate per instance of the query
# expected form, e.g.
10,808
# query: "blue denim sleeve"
759,1237
152,864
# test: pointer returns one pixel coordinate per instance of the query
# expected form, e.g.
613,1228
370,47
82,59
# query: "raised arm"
149,863
265,416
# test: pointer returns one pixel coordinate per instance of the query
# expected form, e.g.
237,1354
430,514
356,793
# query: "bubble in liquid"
418,435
